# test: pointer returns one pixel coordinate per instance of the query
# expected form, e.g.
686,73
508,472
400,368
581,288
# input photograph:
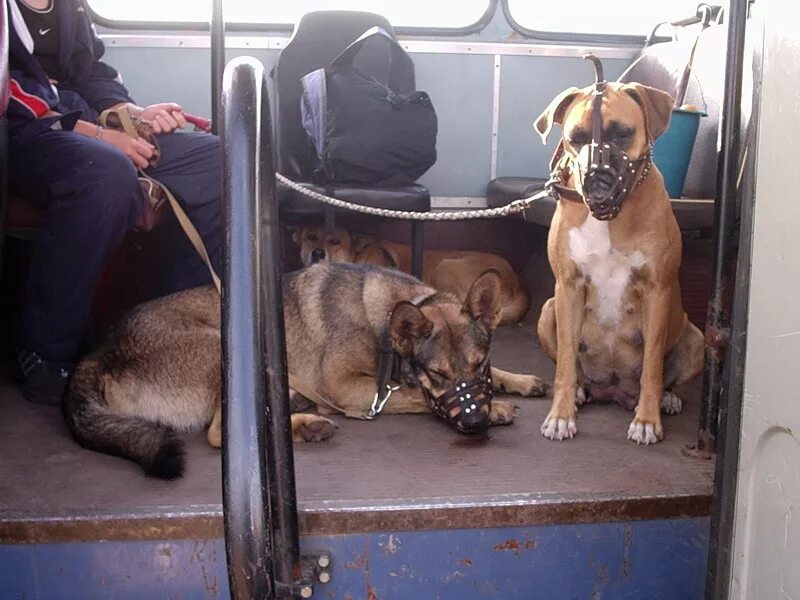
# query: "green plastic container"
672,151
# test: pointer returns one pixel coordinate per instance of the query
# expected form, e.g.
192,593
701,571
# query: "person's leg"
91,198
191,167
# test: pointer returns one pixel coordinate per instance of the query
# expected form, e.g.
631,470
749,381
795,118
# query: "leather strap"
309,392
127,124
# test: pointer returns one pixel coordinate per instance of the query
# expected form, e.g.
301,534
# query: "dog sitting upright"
616,326
446,270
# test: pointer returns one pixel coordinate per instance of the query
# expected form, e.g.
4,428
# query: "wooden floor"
398,472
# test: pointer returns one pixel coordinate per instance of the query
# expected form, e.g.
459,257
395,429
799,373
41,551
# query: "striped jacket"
81,74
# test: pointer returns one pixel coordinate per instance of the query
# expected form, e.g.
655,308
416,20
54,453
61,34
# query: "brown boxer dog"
616,325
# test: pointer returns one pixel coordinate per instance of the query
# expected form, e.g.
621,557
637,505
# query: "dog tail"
96,426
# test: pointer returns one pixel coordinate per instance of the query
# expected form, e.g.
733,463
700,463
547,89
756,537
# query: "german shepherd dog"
160,370
446,270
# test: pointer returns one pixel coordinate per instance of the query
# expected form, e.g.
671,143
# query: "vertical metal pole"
280,448
244,385
417,248
723,508
217,63
258,460
725,231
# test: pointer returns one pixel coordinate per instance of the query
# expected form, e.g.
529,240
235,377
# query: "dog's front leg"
569,300
517,383
646,425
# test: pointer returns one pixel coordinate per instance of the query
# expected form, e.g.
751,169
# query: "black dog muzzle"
463,405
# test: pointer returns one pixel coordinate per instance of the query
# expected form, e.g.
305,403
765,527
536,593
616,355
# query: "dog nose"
317,254
475,422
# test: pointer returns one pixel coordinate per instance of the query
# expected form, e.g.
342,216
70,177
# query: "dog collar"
389,364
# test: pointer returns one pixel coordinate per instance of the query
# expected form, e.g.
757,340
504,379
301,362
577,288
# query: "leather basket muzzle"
605,176
467,405
605,173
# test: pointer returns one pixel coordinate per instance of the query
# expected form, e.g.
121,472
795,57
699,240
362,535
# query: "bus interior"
402,505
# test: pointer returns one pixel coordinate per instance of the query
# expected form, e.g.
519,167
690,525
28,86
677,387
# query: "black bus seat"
317,39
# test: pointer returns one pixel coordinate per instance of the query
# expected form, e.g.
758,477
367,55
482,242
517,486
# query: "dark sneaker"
44,380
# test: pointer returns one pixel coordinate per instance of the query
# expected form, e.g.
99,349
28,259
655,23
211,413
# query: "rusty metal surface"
656,560
397,473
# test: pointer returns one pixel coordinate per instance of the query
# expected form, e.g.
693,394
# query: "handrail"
723,382
217,62
258,464
725,230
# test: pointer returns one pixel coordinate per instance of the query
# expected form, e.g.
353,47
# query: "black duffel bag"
369,128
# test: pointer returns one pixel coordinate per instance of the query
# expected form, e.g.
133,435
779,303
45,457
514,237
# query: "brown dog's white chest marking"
606,268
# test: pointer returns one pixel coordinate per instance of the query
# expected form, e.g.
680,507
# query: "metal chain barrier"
514,207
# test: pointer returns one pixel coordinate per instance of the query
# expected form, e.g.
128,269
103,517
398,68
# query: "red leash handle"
200,123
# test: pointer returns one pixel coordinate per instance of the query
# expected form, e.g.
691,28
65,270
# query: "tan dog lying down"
446,270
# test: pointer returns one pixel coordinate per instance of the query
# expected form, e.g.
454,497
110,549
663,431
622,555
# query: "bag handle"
346,56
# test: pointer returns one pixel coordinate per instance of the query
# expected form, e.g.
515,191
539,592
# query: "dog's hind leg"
683,363
516,383
215,428
546,329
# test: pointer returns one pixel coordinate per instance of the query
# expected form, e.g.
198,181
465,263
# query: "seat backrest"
662,66
318,38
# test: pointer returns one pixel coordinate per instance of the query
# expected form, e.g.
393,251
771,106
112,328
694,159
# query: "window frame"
588,39
196,27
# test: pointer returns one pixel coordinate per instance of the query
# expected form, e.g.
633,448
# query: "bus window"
411,13
621,18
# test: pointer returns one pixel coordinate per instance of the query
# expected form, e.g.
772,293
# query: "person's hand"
163,118
137,149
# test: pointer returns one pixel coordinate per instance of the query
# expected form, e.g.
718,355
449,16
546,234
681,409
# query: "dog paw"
514,383
581,398
502,413
555,428
671,404
313,428
532,386
645,433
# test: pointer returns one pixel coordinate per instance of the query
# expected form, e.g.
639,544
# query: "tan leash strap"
124,116
190,230
320,400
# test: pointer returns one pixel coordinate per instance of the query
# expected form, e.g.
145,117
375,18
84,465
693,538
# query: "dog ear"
297,233
407,326
485,298
554,113
656,105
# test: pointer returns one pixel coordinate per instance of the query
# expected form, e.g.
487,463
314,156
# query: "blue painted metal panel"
527,85
611,561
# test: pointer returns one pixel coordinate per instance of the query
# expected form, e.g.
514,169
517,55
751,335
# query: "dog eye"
335,242
311,237
437,376
621,136
578,139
